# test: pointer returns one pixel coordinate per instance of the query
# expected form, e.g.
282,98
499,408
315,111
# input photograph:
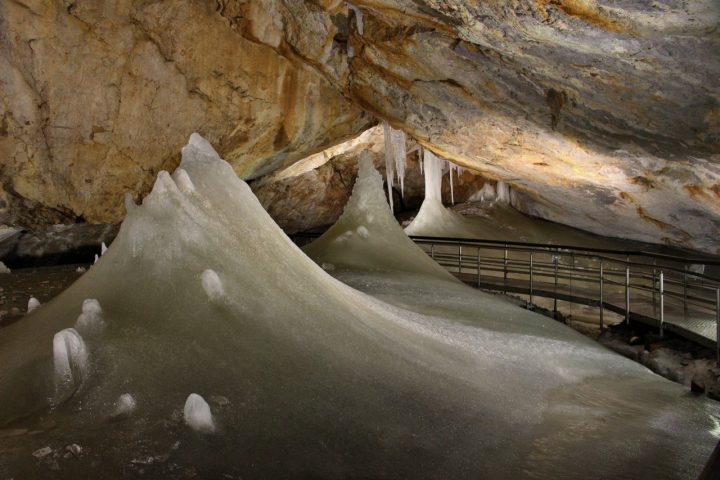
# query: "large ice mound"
318,379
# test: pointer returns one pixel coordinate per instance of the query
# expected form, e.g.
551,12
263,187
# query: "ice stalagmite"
125,405
367,228
70,358
212,285
90,321
33,304
433,219
418,376
197,414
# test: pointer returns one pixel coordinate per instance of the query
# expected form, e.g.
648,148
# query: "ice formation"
70,357
3,268
433,219
103,249
125,405
33,304
90,321
130,204
342,383
502,192
367,228
197,414
493,218
212,285
395,159
183,181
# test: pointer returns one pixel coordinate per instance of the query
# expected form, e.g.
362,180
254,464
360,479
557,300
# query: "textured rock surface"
605,112
313,192
96,97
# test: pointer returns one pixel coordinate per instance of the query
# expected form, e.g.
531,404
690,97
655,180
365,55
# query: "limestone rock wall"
97,97
605,113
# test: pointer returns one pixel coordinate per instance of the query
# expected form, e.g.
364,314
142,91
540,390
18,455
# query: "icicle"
103,249
451,167
420,162
502,192
400,156
358,18
389,162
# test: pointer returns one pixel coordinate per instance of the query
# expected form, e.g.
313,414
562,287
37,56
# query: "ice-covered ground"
214,348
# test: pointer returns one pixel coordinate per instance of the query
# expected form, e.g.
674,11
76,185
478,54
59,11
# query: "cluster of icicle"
395,163
433,178
395,156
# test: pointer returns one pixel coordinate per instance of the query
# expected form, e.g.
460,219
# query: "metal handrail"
588,266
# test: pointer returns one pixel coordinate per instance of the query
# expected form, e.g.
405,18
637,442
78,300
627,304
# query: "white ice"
197,414
212,285
433,219
3,268
33,304
103,249
378,379
90,321
70,357
183,181
125,405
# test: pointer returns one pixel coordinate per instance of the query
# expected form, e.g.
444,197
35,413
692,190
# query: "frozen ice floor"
306,377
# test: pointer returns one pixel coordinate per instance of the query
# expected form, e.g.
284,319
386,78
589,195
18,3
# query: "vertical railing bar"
478,267
505,271
460,261
602,319
717,325
432,251
685,279
662,303
555,259
531,280
627,293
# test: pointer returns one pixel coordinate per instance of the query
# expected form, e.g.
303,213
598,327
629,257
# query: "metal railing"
671,293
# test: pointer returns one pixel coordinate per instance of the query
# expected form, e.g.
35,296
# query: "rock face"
97,97
313,192
605,113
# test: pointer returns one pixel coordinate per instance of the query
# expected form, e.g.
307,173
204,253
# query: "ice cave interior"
378,239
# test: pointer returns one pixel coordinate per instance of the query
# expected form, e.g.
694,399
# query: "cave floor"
43,283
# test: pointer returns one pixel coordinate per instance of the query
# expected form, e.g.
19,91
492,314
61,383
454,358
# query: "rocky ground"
43,283
673,357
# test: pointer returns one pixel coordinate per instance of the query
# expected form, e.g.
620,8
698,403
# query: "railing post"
432,251
717,324
555,261
662,304
654,292
505,269
627,293
685,279
602,319
478,267
460,261
531,280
